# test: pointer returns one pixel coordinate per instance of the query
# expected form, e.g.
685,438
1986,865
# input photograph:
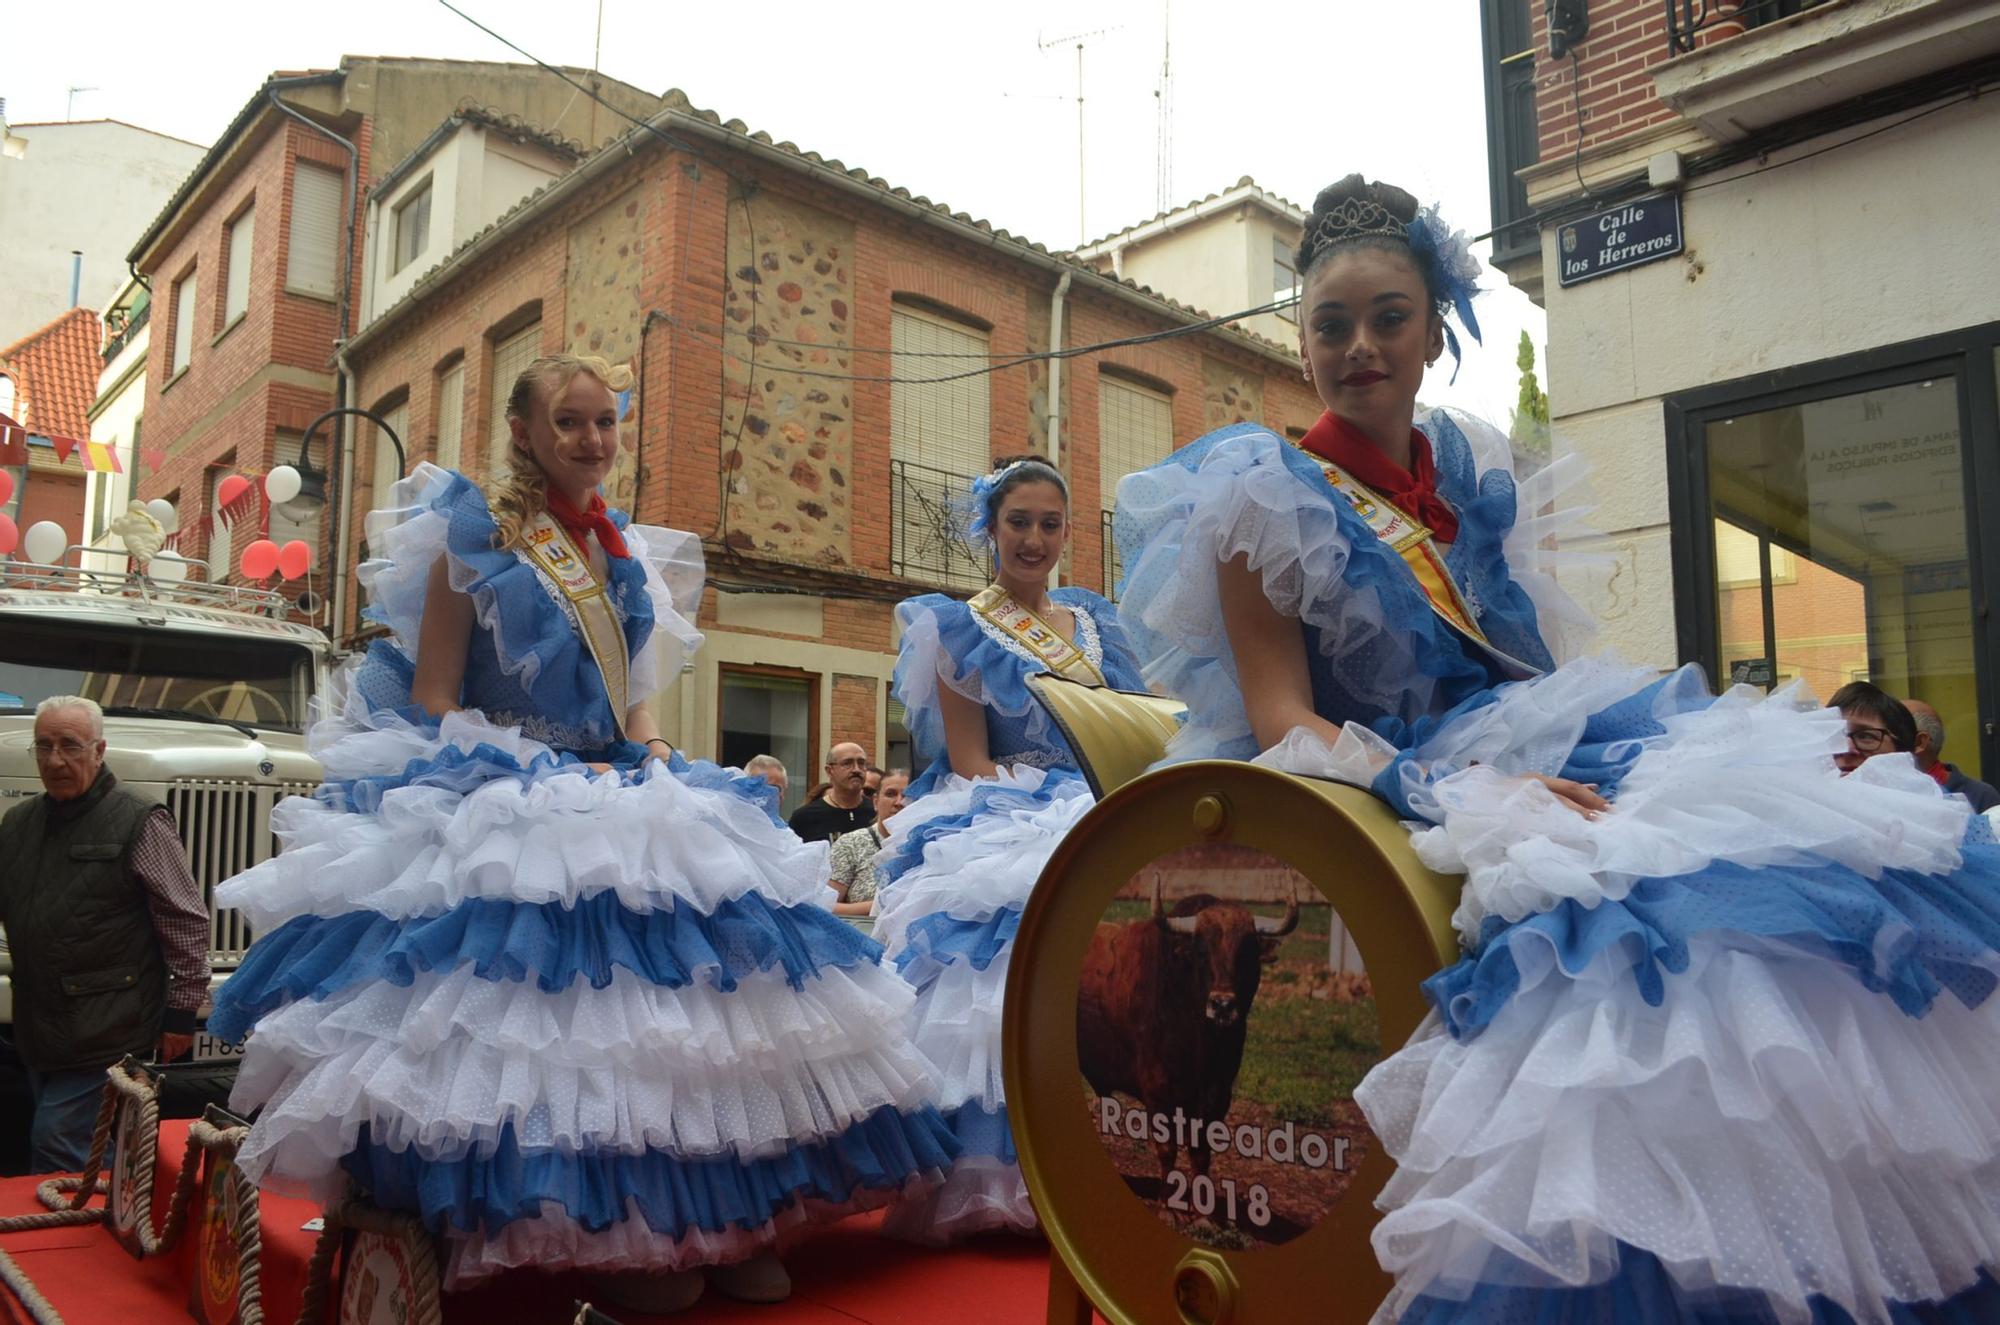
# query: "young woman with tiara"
524,970
998,791
1723,1046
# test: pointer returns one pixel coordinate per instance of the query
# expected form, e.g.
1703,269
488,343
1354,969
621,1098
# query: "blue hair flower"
1448,255
978,510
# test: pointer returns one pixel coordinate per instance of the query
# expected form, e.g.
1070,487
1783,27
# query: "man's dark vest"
90,981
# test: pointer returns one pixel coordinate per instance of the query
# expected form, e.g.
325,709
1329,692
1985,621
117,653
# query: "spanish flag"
101,458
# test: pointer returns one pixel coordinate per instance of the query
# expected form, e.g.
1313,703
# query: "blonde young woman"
525,970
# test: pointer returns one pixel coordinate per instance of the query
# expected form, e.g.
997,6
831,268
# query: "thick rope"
351,1212
67,1197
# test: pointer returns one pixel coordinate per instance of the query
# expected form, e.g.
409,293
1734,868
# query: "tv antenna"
1163,147
1078,40
69,112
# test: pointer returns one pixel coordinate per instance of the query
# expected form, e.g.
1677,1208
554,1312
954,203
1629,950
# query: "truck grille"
226,828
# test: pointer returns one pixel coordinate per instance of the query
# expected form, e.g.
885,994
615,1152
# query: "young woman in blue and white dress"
1723,1046
524,970
998,791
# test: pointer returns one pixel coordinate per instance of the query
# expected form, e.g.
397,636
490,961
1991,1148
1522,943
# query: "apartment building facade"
824,361
1758,230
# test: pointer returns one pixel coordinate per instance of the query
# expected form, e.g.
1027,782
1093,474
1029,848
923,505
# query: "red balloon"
295,559
260,559
6,485
231,488
9,534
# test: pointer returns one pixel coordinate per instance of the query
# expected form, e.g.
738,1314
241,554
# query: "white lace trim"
1087,640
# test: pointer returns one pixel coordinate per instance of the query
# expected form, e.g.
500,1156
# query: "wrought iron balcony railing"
1687,20
1113,567
927,535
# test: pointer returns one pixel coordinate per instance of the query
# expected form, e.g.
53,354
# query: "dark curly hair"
1359,213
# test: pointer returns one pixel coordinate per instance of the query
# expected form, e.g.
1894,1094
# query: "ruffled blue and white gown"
1726,1053
572,1019
957,868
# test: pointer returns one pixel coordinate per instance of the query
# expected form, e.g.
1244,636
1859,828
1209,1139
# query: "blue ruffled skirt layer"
1729,1052
573,1020
960,865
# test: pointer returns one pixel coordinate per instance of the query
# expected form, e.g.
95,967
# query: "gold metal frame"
1136,1269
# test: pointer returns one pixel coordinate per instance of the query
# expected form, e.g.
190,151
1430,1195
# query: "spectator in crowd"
845,807
872,783
819,789
772,770
108,930
854,878
1929,748
1877,724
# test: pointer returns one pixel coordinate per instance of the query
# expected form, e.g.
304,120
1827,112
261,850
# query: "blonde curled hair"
522,491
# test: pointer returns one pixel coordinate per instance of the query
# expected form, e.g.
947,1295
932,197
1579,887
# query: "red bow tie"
1413,491
591,520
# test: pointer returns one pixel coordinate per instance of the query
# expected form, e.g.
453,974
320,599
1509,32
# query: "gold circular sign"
1111,1204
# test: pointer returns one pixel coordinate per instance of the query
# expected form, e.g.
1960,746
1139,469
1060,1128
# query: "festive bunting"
63,446
101,458
152,457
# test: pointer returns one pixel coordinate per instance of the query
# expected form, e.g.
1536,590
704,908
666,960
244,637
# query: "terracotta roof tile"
55,371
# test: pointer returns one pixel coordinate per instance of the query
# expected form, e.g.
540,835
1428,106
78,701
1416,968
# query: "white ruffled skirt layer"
947,923
575,1020
1790,1113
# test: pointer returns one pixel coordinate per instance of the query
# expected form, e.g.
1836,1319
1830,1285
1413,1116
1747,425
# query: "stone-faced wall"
607,264
788,438
1229,394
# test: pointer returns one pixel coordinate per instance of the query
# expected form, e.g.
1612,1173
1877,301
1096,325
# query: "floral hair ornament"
1448,256
979,504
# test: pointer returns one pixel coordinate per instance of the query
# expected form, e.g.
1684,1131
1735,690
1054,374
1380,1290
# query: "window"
299,518
219,534
940,440
236,268
450,414
6,395
510,357
771,711
1284,277
183,334
386,470
312,255
1512,131
1135,428
413,227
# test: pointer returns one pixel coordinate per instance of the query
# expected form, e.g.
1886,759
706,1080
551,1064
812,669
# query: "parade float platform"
842,1274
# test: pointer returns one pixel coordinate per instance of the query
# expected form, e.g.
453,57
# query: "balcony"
1789,65
1113,566
927,537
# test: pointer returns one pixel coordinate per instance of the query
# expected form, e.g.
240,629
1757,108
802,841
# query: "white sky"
956,103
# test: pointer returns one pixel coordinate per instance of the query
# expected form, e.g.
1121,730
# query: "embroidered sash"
554,554
1414,543
1035,635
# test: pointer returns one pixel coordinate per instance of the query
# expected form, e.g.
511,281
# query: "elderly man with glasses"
845,806
108,930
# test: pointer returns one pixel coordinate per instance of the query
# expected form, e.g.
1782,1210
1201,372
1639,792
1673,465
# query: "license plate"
210,1049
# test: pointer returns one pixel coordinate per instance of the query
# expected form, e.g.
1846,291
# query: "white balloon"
167,568
282,484
163,510
44,542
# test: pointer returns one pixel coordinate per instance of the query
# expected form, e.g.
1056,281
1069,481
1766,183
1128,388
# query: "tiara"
1353,218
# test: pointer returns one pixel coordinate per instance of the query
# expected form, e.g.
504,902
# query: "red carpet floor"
842,1274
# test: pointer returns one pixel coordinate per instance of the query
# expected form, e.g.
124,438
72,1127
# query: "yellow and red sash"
1415,544
557,556
1037,636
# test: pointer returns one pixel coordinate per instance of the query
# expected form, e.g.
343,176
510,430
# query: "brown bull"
1162,1007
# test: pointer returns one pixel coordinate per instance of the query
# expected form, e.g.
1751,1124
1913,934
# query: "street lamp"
312,482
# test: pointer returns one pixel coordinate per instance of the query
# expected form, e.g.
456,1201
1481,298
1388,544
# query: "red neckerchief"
1414,491
593,520
1939,773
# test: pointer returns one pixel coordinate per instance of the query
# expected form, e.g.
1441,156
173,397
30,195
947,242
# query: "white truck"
205,689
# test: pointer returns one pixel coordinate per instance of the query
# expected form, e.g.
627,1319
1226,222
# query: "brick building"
1758,229
256,266
824,360
47,380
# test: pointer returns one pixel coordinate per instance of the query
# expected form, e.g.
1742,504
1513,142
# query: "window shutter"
941,425
236,290
311,265
385,474
510,356
451,414
1135,428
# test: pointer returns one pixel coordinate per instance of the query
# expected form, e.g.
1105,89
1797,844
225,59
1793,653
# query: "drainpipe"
1055,381
337,458
75,276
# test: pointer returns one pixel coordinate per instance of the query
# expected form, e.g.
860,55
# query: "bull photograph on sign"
1223,1020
